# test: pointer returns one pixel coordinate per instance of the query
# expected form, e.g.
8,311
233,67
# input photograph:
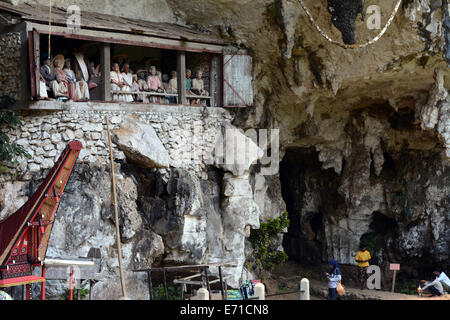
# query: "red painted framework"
21,242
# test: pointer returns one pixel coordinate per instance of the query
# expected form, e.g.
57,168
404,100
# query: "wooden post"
222,290
394,267
207,282
203,294
216,81
260,291
28,291
181,77
393,281
105,61
36,77
116,214
304,290
43,283
165,285
150,285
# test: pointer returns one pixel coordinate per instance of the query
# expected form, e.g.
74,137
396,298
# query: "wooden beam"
36,64
150,285
181,77
105,61
199,266
128,39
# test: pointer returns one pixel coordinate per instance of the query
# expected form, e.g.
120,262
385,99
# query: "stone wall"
187,133
195,210
10,65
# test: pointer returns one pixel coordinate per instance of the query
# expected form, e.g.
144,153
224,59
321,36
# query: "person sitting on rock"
433,287
443,278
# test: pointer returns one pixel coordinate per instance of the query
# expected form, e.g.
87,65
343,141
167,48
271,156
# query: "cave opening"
310,194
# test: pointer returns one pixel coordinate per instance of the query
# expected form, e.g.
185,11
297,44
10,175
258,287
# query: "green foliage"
172,292
9,152
266,258
84,293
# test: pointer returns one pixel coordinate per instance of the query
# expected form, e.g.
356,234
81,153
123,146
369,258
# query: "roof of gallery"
103,22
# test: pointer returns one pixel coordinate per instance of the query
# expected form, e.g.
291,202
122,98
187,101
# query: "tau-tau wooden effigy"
24,236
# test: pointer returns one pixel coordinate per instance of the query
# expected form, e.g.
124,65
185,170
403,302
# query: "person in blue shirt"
334,277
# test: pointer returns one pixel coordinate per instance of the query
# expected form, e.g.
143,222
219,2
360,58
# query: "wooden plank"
221,283
105,61
181,77
62,273
166,293
237,78
32,64
207,282
199,266
150,284
94,20
128,39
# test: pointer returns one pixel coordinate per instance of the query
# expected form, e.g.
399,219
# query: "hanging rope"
352,46
50,30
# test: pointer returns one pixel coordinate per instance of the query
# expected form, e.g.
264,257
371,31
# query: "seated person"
154,83
61,85
135,88
165,85
117,82
143,85
189,85
94,75
127,76
173,87
198,87
47,75
443,278
433,287
80,87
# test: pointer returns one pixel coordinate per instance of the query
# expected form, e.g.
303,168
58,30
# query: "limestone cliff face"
372,122
364,137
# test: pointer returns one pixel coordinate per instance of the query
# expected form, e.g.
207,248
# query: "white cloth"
173,86
82,90
128,80
117,78
59,89
43,89
80,59
198,85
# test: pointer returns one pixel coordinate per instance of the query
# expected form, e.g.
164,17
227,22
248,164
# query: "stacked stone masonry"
10,64
188,135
